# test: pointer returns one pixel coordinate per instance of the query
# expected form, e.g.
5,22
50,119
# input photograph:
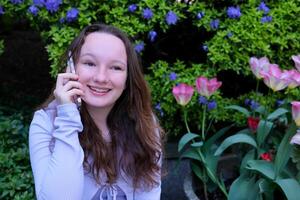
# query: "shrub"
222,35
16,180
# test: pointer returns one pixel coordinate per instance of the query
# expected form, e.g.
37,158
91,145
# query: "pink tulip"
294,77
207,87
296,59
296,138
183,93
296,112
258,65
275,79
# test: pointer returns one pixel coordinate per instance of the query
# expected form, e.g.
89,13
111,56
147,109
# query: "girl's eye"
90,64
116,68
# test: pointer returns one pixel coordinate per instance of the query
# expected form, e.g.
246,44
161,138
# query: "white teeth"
101,90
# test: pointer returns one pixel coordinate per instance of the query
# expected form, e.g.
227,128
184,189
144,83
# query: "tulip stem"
185,121
211,174
203,123
257,86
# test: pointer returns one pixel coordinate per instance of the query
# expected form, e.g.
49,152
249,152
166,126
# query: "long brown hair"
135,132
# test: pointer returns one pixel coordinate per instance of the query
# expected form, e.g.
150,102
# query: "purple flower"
33,10
211,105
171,18
16,1
229,35
202,100
172,76
205,48
214,24
147,13
279,102
52,5
1,10
158,108
254,105
247,102
39,3
263,7
139,47
132,8
152,35
234,12
62,20
72,15
266,19
200,15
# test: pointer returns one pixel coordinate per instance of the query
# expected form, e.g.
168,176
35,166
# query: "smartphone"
70,63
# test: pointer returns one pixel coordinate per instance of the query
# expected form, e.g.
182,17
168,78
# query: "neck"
99,116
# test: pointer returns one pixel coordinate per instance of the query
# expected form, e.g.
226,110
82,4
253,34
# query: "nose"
101,75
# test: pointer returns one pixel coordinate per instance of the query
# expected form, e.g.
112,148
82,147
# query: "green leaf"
217,135
240,109
266,187
263,130
197,144
238,138
277,113
290,187
262,166
198,171
191,153
284,150
249,156
186,138
242,188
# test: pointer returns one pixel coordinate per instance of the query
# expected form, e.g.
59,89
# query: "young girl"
112,147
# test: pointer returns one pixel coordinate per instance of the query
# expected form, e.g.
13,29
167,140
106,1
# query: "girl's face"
102,69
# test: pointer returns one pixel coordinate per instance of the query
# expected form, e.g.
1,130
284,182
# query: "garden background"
177,41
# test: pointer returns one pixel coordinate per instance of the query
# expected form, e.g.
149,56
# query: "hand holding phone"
70,64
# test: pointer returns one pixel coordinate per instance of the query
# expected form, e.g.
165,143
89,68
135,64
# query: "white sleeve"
58,174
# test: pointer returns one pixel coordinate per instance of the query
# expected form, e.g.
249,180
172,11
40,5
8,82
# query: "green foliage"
264,175
1,47
16,181
277,40
229,49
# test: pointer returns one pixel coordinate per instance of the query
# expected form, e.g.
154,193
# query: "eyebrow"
114,61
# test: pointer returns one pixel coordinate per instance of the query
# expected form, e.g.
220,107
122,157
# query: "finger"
72,84
75,92
64,77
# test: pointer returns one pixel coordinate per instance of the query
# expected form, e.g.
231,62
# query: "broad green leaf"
242,188
266,187
191,153
198,171
277,113
263,130
285,150
249,156
238,138
245,131
262,166
290,187
240,109
197,144
211,161
217,135
186,139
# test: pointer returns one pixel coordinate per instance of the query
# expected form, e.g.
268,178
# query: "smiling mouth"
99,91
